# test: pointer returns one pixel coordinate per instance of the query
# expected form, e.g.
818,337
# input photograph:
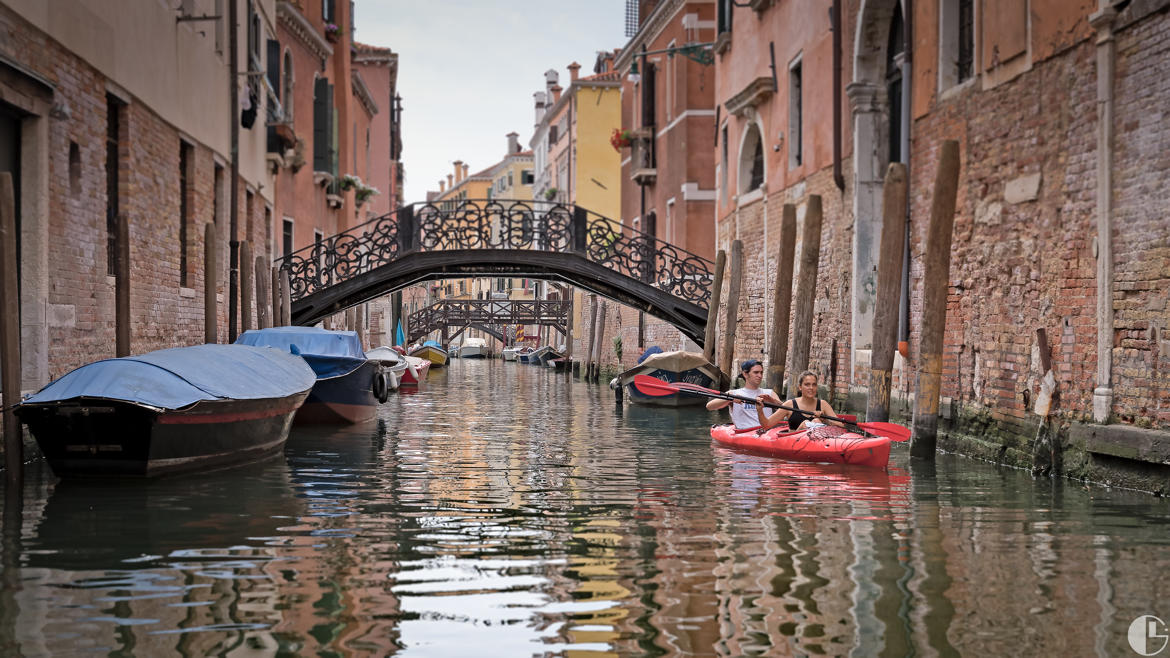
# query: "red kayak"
819,444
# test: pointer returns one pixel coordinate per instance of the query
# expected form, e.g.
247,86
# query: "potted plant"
621,138
364,192
332,31
550,194
350,182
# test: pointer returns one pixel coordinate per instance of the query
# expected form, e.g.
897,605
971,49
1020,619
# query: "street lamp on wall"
699,52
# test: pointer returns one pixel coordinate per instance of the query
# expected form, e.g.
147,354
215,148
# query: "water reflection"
503,509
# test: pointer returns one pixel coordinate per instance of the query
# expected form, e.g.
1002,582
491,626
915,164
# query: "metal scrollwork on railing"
343,256
500,224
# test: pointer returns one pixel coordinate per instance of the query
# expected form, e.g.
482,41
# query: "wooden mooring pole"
713,307
263,296
10,337
122,288
210,284
727,353
246,286
782,300
935,280
889,290
277,315
285,299
600,338
810,257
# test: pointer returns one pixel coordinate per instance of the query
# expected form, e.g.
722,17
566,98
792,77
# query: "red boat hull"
848,448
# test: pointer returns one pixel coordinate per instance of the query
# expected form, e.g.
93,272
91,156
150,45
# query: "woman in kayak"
803,412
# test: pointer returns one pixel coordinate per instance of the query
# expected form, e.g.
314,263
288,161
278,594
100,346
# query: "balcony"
642,161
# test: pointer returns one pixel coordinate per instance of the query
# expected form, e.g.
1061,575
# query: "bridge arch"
500,238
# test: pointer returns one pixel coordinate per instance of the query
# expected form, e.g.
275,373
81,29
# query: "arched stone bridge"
500,238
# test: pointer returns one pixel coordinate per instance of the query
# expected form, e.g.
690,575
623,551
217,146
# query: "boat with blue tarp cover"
169,411
349,385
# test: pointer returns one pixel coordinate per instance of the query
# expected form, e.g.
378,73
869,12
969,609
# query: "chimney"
450,182
513,143
465,168
573,68
442,185
550,79
556,92
458,171
540,97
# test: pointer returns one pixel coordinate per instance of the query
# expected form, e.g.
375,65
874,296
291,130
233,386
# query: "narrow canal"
507,510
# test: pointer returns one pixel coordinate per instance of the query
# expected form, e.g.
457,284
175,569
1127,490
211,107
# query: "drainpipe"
1102,21
835,25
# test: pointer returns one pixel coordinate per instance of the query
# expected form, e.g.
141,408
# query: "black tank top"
798,415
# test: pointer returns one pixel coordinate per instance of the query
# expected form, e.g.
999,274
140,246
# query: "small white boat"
393,364
511,353
474,348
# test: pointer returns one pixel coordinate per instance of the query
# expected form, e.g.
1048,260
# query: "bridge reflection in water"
503,510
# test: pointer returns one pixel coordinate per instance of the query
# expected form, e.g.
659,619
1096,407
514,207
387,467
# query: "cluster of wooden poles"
885,324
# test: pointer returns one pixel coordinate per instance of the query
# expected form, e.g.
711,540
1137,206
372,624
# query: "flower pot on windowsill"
332,33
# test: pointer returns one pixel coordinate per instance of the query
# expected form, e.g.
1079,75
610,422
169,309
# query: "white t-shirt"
743,414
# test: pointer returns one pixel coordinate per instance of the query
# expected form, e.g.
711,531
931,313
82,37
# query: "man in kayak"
742,413
804,412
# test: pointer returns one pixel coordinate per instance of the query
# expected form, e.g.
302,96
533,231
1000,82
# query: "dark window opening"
113,131
895,46
184,211
287,238
795,120
327,11
757,174
966,57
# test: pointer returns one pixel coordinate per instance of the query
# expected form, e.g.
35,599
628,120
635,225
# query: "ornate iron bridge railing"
499,224
462,312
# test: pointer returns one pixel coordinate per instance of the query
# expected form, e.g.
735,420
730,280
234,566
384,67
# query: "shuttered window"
322,125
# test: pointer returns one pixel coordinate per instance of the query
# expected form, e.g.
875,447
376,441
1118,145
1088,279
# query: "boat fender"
381,386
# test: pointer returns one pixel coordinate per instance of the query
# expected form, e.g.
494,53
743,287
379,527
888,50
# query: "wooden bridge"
490,316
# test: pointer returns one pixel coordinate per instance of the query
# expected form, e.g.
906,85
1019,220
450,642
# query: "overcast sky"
467,70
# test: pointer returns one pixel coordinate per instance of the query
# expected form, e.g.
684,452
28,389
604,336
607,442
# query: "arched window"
287,84
751,160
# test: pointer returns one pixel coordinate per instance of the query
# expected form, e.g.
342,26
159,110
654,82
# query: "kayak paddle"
655,387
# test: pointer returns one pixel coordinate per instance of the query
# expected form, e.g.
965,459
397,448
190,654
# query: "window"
184,210
509,179
751,172
287,237
254,33
286,95
74,169
322,125
113,164
956,42
526,177
795,154
723,16
327,11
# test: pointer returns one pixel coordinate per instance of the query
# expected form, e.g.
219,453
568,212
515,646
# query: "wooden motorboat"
349,386
431,351
169,411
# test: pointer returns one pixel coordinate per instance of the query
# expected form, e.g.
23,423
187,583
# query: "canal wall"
1026,255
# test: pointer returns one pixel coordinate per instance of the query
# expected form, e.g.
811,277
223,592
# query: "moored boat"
674,368
416,370
393,363
474,348
349,385
514,352
536,356
431,351
170,411
824,444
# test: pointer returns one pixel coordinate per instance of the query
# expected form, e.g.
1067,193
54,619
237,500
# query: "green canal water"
503,509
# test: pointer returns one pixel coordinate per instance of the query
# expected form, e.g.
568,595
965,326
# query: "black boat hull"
348,398
99,438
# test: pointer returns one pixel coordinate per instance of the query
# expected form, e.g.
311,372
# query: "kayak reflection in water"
804,412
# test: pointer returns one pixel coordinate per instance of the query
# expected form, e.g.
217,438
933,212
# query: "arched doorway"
880,106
